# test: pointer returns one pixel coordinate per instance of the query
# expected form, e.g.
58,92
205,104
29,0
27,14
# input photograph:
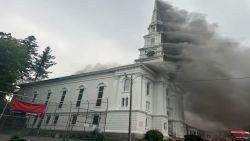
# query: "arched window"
101,84
100,87
48,96
79,99
81,87
126,85
64,91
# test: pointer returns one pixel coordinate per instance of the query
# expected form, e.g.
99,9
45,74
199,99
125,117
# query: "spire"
156,18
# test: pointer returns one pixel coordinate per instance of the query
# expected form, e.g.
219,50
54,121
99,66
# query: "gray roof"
110,70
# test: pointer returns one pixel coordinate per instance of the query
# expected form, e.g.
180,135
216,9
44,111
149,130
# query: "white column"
114,101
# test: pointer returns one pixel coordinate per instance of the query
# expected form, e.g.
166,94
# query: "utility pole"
130,102
130,107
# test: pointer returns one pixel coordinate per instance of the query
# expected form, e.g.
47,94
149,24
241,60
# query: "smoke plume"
213,70
96,67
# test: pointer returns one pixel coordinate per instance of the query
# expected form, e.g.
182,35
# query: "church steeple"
153,46
156,18
158,46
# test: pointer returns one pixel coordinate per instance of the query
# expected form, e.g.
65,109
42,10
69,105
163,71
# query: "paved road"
6,138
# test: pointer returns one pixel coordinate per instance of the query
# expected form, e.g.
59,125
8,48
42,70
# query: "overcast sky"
88,32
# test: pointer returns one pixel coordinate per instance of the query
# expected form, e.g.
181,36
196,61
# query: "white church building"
156,103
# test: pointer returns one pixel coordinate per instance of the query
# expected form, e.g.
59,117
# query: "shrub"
14,137
141,140
153,135
168,139
99,137
18,135
192,138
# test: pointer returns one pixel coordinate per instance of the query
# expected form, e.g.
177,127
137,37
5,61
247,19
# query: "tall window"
48,119
48,96
34,97
62,99
147,105
34,121
148,88
147,122
74,119
79,99
126,85
95,120
125,102
165,125
99,97
40,121
56,119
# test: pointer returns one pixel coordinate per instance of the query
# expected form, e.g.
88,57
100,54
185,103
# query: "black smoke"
213,70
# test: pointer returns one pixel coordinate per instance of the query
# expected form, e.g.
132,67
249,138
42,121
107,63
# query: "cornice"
87,74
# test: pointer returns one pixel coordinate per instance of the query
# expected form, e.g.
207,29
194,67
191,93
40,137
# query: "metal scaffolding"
59,119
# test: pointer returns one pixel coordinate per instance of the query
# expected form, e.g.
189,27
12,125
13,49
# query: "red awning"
19,105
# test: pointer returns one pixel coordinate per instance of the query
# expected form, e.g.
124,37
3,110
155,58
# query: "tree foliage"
42,63
12,61
20,61
31,46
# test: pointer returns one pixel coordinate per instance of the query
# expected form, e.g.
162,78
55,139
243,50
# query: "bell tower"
153,46
158,47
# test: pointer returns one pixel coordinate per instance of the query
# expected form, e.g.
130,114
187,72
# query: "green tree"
12,61
31,46
42,63
20,62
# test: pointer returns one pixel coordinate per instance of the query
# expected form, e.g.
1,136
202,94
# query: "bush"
99,137
168,139
154,135
192,138
18,135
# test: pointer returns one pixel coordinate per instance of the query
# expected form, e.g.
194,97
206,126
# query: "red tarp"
27,107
